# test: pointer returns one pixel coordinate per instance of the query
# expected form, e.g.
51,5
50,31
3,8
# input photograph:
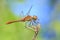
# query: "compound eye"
34,17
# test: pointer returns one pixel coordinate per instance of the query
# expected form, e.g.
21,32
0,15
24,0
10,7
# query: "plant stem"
35,35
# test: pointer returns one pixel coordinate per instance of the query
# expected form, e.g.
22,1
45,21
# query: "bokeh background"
48,12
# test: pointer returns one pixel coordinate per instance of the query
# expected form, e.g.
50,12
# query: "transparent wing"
21,14
28,11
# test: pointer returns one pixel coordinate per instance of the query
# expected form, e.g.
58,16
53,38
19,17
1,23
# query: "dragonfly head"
34,17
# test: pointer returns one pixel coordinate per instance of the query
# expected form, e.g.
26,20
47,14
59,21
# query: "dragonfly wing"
22,14
29,11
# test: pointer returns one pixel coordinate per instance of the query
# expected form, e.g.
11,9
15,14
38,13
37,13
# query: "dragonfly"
28,19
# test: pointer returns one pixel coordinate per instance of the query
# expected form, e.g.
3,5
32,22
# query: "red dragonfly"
27,18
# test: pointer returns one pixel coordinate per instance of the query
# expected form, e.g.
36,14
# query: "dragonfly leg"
27,24
30,24
36,22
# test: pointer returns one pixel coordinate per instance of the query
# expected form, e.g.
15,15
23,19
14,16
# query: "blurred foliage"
15,31
56,26
53,2
21,1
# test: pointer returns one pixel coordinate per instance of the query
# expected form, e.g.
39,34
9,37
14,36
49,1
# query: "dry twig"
35,29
